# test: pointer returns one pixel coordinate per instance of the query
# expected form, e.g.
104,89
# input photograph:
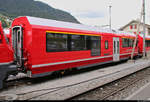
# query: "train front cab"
6,58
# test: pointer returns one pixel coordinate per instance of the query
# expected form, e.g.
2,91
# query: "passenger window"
56,42
126,42
88,42
95,46
106,44
147,43
78,42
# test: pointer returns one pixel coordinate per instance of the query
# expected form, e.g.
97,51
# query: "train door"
17,44
116,49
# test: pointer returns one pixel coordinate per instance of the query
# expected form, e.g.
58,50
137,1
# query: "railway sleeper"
5,71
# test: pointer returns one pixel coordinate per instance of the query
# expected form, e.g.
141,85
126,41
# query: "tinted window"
147,43
56,42
127,42
78,42
118,47
131,42
88,42
95,45
124,42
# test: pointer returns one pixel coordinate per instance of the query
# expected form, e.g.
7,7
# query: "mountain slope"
15,8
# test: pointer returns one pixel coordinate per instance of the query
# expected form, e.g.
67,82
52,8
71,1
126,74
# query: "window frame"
135,26
87,39
93,51
126,42
76,49
56,50
131,26
147,43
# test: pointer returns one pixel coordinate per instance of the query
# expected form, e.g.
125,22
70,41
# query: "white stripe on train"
6,63
49,64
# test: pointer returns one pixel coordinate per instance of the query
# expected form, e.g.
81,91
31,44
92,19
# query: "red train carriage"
43,46
6,57
140,43
6,54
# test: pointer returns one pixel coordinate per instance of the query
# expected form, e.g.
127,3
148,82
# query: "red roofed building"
133,26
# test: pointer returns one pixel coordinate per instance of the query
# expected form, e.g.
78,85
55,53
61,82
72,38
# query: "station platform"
72,85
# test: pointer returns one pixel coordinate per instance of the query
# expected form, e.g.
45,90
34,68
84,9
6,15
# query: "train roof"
69,25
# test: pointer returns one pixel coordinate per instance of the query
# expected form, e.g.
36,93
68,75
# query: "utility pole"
144,30
110,16
138,28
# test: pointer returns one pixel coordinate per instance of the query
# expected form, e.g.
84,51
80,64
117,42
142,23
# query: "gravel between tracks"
101,92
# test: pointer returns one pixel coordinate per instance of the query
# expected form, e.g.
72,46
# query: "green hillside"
15,8
6,21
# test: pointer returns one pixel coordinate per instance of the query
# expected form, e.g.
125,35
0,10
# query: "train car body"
140,43
6,53
6,57
42,46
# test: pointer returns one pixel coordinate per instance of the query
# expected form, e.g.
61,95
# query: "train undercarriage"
5,71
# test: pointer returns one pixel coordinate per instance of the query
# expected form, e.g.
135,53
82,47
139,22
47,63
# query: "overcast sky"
96,12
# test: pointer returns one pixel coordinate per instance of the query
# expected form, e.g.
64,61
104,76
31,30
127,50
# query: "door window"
118,47
114,47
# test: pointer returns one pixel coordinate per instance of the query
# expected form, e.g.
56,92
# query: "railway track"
106,96
23,80
109,90
45,91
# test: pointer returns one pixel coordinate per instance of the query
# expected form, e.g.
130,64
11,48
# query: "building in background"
133,26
